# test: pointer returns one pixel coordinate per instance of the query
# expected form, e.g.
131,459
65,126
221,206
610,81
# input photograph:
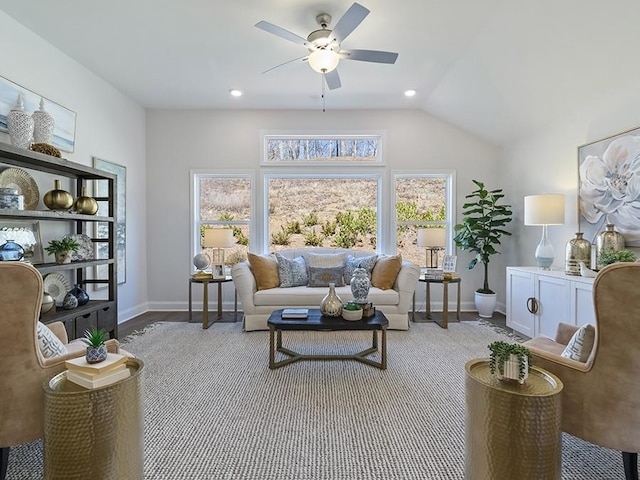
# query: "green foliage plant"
609,256
67,244
482,227
352,306
94,337
329,228
311,219
294,227
282,237
345,239
501,353
312,239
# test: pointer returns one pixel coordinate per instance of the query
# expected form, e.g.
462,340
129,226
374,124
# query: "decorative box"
10,199
368,310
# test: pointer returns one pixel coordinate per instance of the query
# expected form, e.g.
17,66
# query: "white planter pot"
512,369
486,304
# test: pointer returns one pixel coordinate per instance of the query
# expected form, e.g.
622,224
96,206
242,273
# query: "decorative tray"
23,182
56,285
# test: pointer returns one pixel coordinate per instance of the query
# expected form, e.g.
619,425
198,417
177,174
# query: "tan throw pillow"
580,345
49,344
265,270
386,271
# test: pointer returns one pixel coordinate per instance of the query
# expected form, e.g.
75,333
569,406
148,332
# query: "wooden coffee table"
317,322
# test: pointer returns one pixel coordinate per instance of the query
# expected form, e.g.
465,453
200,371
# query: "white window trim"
266,135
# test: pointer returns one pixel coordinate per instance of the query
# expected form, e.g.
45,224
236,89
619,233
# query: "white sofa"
258,305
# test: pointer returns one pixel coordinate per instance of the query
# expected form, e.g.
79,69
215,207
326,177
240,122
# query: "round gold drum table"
512,430
94,434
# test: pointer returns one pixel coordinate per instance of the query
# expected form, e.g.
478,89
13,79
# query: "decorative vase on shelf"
360,285
85,204
48,303
20,125
62,257
58,199
608,240
80,294
70,301
11,251
578,250
42,125
331,305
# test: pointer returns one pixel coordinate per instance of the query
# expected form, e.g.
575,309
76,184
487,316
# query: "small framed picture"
218,270
449,264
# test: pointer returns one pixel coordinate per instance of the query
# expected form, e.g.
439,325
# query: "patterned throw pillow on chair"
49,344
580,345
292,271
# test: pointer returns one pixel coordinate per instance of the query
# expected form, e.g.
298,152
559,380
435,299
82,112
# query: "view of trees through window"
321,149
326,212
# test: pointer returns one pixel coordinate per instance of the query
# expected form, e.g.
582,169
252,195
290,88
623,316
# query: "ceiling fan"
324,47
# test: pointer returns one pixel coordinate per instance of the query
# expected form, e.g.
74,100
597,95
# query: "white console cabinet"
537,300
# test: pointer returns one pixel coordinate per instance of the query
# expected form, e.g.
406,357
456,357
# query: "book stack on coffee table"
95,375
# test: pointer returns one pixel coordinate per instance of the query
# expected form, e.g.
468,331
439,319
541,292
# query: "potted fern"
96,349
509,361
480,233
61,249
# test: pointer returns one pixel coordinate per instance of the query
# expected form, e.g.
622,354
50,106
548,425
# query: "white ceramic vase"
20,125
42,125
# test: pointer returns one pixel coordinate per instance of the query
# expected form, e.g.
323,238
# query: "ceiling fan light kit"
324,45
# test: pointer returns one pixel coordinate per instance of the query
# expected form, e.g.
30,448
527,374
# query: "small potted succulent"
509,361
352,311
62,249
96,349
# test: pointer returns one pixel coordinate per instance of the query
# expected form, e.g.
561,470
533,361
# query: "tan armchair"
601,397
23,367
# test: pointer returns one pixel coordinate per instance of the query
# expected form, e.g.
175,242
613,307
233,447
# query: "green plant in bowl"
94,337
353,306
609,256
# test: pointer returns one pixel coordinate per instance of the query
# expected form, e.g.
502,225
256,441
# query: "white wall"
178,141
108,125
547,162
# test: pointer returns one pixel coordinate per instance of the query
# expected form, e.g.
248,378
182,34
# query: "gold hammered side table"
512,430
94,433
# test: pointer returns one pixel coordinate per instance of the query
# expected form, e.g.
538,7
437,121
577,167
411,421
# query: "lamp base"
544,251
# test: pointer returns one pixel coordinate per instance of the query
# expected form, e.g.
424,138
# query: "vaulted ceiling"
497,68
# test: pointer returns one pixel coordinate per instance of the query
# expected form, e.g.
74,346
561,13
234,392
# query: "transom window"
287,149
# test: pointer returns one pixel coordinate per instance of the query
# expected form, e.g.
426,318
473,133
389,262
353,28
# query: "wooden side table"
205,298
94,433
512,430
444,322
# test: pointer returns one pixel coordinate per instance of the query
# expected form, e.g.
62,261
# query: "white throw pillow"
325,259
580,344
49,344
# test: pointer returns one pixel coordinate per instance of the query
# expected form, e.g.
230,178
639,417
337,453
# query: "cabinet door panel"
582,301
520,288
553,307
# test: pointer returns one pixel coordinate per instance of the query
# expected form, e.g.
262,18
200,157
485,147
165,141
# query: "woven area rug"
214,410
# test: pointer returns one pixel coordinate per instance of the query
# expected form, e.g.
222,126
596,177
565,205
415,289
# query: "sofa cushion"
580,345
351,263
311,297
386,271
323,276
292,271
325,259
49,344
265,270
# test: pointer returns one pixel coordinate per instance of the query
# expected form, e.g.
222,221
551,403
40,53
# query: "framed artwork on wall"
609,186
64,130
100,190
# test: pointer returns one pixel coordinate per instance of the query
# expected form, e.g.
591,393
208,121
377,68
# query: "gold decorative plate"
56,285
25,184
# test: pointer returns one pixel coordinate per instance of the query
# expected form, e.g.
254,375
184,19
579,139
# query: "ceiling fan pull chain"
323,97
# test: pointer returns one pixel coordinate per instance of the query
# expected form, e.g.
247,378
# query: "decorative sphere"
201,261
47,303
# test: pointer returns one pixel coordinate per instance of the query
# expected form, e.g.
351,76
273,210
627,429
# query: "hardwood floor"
145,319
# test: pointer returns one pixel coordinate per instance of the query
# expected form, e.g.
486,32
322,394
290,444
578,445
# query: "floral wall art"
609,186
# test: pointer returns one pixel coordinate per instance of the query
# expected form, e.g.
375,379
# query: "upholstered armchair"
24,368
601,396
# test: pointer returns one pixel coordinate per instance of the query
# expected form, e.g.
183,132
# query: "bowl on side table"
352,312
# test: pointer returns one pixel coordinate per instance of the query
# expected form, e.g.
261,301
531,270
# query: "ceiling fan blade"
333,79
281,32
303,58
349,21
375,56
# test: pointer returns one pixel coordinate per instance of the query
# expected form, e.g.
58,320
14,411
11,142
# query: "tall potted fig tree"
484,219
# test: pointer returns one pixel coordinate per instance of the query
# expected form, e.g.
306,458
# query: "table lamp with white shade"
218,238
547,209
433,240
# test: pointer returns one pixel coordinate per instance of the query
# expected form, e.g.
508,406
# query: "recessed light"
409,93
234,92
